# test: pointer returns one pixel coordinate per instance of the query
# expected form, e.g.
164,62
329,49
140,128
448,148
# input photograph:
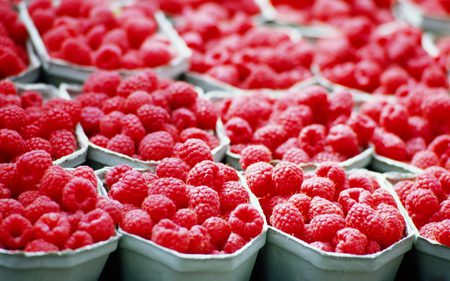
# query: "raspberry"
424,159
98,224
76,51
254,111
340,103
172,167
137,222
324,227
193,151
32,165
293,119
10,206
73,108
92,99
442,232
38,144
333,172
137,99
121,144
415,145
108,57
246,221
253,154
173,188
185,217
261,77
110,124
41,205
78,239
359,180
11,144
181,94
319,186
138,30
4,192
99,140
287,178
7,87
154,54
90,119
156,146
259,178
394,119
142,82
323,246
296,156
364,218
40,245
287,218
183,118
327,157
429,230
229,173
343,140
312,139
349,197
234,243
284,147
301,202
206,173
218,229
363,126
158,207
12,117
394,227
53,228
320,206
102,82
389,145
15,232
440,144
350,241
383,196
270,136
131,188
56,119
79,194
238,130
113,104
167,234
195,133
112,207
435,108
206,114
132,127
63,143
87,173
421,201
199,240
232,195
115,173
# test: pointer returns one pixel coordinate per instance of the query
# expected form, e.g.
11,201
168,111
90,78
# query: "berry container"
142,259
110,158
34,68
411,13
287,258
58,71
71,265
361,160
79,156
430,258
384,164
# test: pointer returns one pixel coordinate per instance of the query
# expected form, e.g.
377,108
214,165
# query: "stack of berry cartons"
75,38
328,223
17,59
186,222
425,197
53,222
305,127
231,52
142,119
38,116
378,61
428,15
321,18
413,133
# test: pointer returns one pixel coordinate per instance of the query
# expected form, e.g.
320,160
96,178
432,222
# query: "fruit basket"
142,259
48,92
59,70
359,160
290,258
430,257
413,14
105,156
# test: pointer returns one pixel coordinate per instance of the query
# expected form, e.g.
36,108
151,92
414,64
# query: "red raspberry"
340,103
110,124
7,87
421,201
156,146
90,119
12,117
172,167
320,206
359,180
4,192
206,114
206,173
333,172
121,144
232,195
79,194
328,156
137,222
10,206
218,229
394,119
132,127
158,207
234,243
246,221
185,218
15,232
27,197
196,133
92,99
318,186
73,108
40,245
112,207
205,210
108,57
131,188
199,240
116,173
424,159
11,144
259,178
253,154
63,143
38,144
137,99
440,144
293,119
429,230
403,188
323,246
41,205
296,156
254,111
435,108
287,218
167,234
442,232
271,136
343,140
76,51
415,145
138,29
230,174
324,227
181,94
363,126
394,227
99,140
349,197
284,147
55,37
312,139
383,196
193,151
350,241
389,145
261,77
56,119
173,188
53,228
98,224
78,239
183,118
8,175
154,54
287,178
87,173
146,82
301,202
364,218
32,165
113,104
102,82
238,130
